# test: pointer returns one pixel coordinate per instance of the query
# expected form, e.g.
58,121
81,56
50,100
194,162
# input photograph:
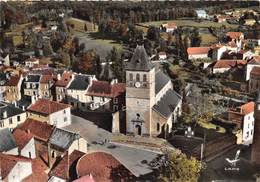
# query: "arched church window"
137,116
158,127
138,77
144,78
131,77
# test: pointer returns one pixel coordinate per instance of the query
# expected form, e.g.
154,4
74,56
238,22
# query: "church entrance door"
138,129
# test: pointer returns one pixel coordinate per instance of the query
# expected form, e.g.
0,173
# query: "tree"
153,33
195,38
117,64
87,62
169,39
177,167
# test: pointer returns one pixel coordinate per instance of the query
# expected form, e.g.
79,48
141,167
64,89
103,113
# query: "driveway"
131,157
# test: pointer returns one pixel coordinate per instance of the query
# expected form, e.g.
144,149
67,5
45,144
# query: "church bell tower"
140,93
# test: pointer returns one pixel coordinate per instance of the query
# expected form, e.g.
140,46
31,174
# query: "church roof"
168,103
161,80
140,61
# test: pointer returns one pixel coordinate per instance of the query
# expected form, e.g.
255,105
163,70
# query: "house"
254,80
201,14
218,50
106,96
221,18
169,27
55,113
243,117
61,85
198,52
25,142
11,116
13,88
47,86
101,167
162,55
222,66
249,22
41,132
242,54
14,168
63,141
147,89
65,170
76,90
7,143
31,62
254,62
235,35
31,85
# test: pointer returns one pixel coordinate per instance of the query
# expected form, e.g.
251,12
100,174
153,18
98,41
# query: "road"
131,157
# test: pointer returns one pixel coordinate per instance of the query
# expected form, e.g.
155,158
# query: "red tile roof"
46,107
7,162
40,130
247,108
87,178
14,80
38,171
105,89
47,78
65,79
170,25
22,138
255,60
255,71
198,50
102,166
64,168
228,63
234,35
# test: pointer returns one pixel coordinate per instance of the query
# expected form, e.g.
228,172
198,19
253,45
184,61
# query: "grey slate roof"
140,61
7,141
10,109
161,80
80,82
33,78
168,103
62,138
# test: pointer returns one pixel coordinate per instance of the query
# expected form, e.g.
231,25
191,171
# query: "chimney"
23,108
59,77
34,98
114,81
28,131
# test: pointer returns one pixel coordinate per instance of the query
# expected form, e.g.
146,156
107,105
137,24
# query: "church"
152,106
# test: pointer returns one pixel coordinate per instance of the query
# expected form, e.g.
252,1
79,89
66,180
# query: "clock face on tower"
137,84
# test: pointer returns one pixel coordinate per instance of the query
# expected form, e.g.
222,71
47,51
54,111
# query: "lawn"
94,40
191,23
